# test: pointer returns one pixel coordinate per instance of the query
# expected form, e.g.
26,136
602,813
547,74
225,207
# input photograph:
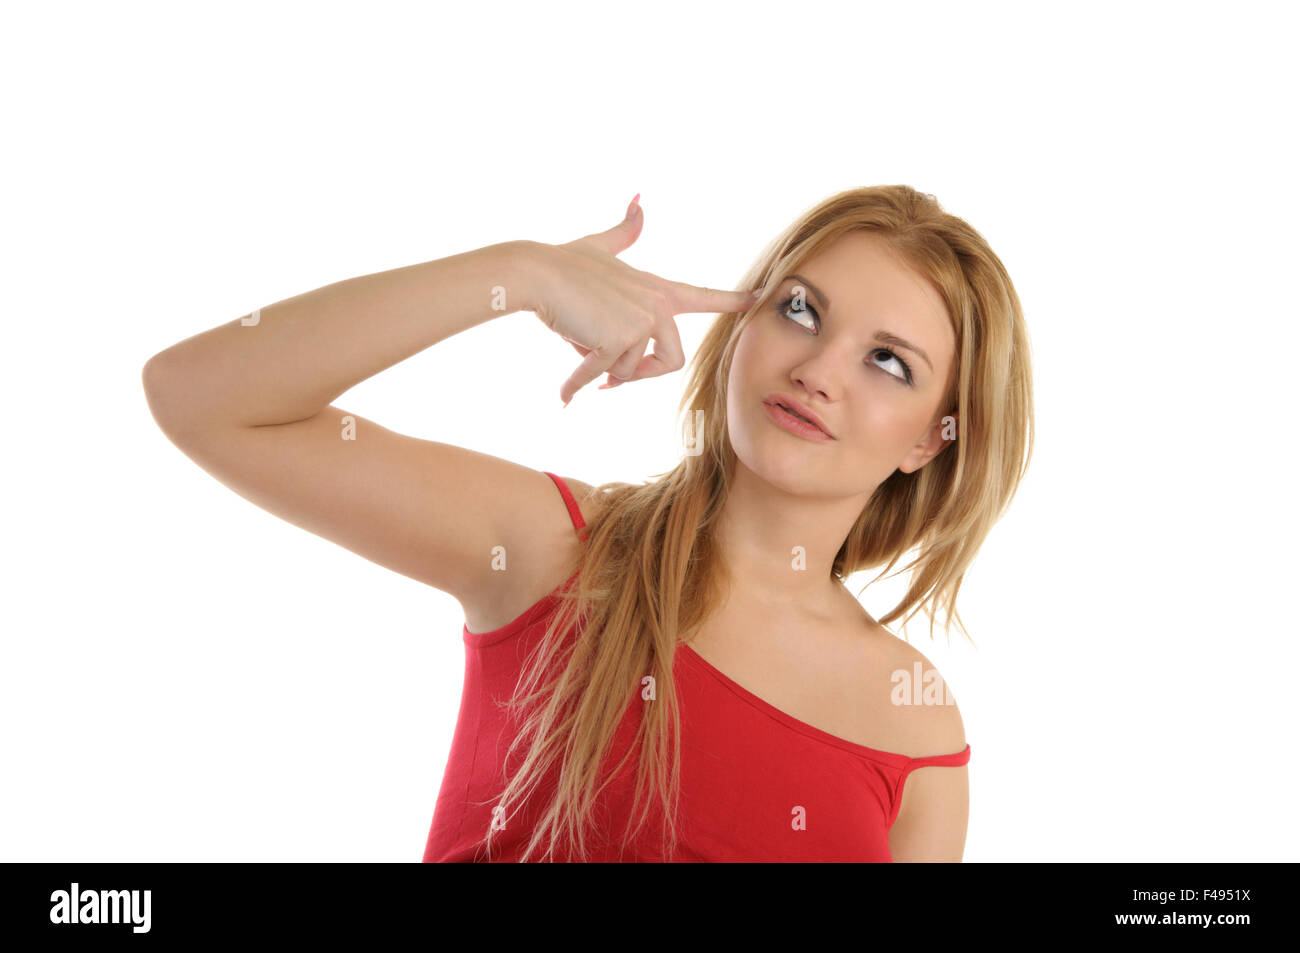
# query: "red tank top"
756,783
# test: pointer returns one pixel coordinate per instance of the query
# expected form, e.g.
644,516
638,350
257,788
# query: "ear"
941,433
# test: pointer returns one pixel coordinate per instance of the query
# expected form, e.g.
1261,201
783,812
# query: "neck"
779,545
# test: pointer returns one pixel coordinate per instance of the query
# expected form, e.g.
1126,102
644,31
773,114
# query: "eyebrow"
885,337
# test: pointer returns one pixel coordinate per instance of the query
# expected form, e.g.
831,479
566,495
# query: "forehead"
867,281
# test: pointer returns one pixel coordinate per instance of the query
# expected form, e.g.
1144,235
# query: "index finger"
692,299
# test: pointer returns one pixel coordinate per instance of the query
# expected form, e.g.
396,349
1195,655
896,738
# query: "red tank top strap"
942,760
935,760
575,513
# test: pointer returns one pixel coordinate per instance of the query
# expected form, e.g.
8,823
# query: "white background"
187,677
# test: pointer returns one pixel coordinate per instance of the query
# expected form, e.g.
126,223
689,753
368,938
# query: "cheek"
751,370
880,428
756,353
745,359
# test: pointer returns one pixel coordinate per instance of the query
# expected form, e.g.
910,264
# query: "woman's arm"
250,403
289,360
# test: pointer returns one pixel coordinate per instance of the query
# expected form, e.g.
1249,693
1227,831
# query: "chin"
783,467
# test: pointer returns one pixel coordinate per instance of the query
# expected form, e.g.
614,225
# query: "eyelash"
784,307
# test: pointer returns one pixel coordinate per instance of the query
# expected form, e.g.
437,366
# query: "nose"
812,383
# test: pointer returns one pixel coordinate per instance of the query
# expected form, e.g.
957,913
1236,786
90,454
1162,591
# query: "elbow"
154,370
156,379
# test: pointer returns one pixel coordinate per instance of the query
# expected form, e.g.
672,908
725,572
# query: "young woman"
674,670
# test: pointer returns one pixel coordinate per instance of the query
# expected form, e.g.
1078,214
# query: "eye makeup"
783,309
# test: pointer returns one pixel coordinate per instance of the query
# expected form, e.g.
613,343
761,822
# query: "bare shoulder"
589,500
925,716
538,552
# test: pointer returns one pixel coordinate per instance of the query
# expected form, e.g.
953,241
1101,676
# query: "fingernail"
758,292
566,403
632,206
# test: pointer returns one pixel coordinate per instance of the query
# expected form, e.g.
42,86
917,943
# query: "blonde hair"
649,571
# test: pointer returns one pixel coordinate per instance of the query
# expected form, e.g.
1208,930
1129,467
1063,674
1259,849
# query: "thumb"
621,236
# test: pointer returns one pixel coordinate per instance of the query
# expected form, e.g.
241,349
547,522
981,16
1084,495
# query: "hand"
609,311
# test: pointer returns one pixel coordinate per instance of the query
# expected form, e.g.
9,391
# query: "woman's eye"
804,309
906,375
791,313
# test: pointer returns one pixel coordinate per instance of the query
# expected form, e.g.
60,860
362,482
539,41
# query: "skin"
788,491
794,637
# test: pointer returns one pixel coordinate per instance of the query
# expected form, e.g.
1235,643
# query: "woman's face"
829,337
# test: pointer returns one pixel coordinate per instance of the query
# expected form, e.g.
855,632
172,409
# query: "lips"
791,410
799,410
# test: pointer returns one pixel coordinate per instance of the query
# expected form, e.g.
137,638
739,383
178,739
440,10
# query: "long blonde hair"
649,572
